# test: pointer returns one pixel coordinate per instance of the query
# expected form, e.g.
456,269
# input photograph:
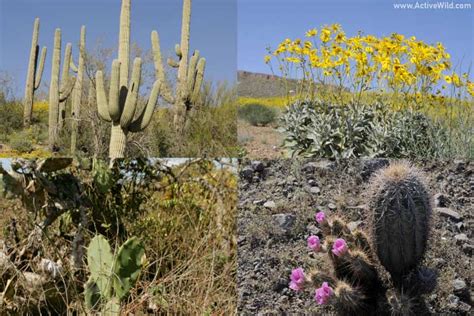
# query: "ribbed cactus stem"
118,142
64,82
401,218
124,42
34,75
77,92
54,90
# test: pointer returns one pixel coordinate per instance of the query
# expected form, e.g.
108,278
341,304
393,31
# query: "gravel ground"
277,203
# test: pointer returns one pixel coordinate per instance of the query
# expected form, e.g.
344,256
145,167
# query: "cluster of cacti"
111,276
190,72
121,108
35,72
399,228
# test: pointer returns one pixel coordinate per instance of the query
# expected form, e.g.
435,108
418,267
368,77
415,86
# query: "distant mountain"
258,85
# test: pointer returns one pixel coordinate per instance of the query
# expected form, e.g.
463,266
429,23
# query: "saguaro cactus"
77,92
121,107
190,72
58,92
35,72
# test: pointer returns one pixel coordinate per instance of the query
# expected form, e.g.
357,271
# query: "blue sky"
264,23
213,30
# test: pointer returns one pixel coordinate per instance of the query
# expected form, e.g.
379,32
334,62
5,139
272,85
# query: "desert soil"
263,142
277,203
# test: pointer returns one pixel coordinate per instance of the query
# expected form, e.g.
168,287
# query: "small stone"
353,225
280,285
453,300
246,173
461,238
440,200
313,229
464,307
258,202
459,285
257,166
332,206
314,190
270,204
468,249
447,212
285,221
312,182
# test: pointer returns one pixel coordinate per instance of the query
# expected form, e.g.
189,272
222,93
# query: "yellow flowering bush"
404,67
41,106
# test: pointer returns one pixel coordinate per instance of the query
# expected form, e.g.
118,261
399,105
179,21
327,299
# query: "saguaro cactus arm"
132,95
39,72
124,42
145,118
159,69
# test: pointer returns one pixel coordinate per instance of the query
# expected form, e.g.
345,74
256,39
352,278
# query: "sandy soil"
263,142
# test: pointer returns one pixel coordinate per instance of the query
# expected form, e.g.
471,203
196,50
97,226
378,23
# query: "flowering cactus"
297,279
355,286
314,243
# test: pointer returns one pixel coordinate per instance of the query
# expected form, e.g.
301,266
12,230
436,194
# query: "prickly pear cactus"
100,261
401,212
127,267
112,277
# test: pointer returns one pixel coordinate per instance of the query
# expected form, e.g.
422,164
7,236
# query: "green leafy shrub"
21,142
257,114
316,129
11,114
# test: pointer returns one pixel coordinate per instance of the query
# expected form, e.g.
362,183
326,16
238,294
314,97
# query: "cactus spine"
58,92
77,92
121,107
190,72
35,72
401,217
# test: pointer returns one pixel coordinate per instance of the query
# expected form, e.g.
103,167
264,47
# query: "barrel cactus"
399,229
401,212
111,276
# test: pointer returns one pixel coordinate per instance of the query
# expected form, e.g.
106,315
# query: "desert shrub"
257,114
11,114
317,129
21,142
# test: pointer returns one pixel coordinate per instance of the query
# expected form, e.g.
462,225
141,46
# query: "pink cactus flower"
323,294
297,279
314,243
320,217
339,247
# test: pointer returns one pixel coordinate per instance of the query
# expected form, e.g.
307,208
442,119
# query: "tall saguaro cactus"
77,92
190,72
121,108
35,72
58,91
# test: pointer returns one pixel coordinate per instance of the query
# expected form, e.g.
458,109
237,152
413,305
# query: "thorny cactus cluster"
111,276
380,274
